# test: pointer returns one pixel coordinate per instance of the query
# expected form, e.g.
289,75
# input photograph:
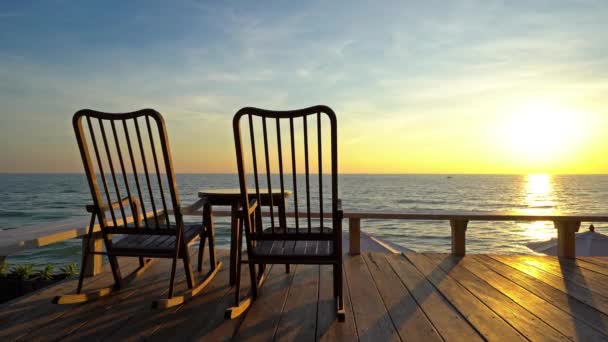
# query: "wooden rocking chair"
315,240
126,162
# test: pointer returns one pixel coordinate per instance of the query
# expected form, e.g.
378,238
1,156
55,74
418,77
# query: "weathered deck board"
558,297
486,321
517,316
419,297
446,319
407,316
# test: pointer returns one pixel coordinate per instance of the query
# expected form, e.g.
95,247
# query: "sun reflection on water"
539,199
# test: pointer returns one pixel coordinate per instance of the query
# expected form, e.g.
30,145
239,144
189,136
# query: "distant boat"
589,243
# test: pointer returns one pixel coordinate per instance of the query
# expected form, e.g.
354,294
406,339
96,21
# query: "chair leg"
172,280
188,268
201,251
115,271
339,292
286,268
141,261
254,281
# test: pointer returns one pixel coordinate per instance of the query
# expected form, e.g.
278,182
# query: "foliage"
23,272
47,272
70,270
3,268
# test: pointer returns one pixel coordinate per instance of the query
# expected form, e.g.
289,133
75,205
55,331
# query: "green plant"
47,272
23,272
3,268
70,270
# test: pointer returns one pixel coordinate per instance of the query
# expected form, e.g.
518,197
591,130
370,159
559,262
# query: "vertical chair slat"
264,129
320,155
124,172
135,174
255,172
114,180
102,174
293,169
282,219
143,159
160,182
306,168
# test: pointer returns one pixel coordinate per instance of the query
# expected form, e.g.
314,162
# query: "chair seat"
300,230
156,243
323,248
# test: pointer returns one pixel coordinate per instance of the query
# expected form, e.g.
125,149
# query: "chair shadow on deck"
567,268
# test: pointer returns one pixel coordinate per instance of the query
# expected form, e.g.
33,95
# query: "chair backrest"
121,151
289,150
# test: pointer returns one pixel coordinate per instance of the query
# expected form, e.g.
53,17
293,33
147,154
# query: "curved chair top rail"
119,116
120,151
285,114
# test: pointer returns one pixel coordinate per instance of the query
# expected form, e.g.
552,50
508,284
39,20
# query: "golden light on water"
539,199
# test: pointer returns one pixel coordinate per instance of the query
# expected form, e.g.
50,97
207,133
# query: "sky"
419,87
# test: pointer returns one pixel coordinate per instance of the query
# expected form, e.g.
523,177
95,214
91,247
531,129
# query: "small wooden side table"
232,198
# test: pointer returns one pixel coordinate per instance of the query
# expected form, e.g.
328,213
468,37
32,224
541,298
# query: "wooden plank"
261,322
328,327
446,215
518,317
598,260
19,316
140,321
569,270
299,319
371,317
485,321
211,324
93,320
574,290
446,319
558,297
561,321
47,320
407,316
591,265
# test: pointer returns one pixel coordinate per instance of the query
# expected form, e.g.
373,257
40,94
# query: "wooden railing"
16,240
566,224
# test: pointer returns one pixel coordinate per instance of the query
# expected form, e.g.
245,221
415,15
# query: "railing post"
459,227
354,235
94,261
566,241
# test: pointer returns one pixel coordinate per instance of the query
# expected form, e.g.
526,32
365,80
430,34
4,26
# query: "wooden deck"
390,297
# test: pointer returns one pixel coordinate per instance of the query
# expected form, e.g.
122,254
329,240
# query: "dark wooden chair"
138,205
271,237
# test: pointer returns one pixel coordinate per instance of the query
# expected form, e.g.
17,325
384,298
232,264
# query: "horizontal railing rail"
16,240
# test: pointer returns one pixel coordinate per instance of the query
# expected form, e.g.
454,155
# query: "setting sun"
542,131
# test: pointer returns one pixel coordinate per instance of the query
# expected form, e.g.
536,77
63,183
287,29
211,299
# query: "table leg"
209,227
234,233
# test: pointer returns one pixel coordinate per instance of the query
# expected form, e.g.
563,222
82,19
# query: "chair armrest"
125,201
253,204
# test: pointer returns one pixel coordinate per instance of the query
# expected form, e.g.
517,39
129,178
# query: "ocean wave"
13,213
421,201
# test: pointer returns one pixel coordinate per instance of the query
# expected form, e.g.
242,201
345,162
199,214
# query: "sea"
28,200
